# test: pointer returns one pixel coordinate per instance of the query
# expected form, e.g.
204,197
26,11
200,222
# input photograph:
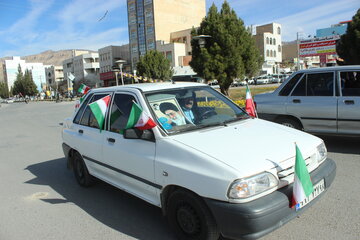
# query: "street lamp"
201,39
120,64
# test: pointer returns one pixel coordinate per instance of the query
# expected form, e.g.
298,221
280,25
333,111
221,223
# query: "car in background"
319,100
262,79
276,78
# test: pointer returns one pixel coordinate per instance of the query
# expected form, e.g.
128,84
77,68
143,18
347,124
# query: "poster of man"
170,110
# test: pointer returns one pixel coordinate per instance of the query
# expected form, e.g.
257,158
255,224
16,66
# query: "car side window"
81,110
315,84
88,118
350,83
285,91
120,111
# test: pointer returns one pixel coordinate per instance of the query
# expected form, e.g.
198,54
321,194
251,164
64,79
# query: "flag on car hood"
99,108
83,89
139,118
302,187
249,104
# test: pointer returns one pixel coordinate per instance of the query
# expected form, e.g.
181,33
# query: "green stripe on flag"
302,173
134,115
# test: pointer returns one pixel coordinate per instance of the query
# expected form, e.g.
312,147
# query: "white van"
207,164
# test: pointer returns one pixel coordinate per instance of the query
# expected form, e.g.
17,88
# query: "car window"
285,91
315,84
120,111
350,83
81,110
88,118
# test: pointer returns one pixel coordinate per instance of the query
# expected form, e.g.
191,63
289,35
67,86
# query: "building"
54,75
107,61
154,20
268,40
84,68
37,72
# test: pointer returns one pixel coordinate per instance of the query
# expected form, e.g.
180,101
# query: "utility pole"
298,49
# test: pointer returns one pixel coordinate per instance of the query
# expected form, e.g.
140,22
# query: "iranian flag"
303,186
139,118
249,104
83,89
99,108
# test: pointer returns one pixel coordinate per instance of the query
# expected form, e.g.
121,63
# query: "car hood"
250,146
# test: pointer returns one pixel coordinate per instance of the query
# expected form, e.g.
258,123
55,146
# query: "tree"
154,65
348,47
229,50
24,84
4,91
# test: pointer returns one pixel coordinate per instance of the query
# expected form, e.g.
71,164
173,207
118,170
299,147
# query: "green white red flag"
302,187
139,118
99,108
83,89
249,103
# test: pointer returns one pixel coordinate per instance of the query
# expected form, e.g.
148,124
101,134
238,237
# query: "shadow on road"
350,145
109,205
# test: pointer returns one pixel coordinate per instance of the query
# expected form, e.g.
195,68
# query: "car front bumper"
259,217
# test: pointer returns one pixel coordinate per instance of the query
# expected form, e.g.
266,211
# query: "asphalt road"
40,199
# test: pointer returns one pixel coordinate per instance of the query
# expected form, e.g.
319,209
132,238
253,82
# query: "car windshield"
187,109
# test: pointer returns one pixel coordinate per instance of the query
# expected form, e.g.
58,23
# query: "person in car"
187,109
173,113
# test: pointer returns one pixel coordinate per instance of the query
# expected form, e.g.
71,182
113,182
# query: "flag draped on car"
139,118
249,103
83,89
99,108
302,187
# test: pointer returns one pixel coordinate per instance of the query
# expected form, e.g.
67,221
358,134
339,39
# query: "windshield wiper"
236,119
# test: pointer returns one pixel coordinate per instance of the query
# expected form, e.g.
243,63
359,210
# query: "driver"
187,109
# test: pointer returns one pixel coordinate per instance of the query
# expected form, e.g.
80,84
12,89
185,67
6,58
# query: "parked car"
321,100
262,80
276,78
180,164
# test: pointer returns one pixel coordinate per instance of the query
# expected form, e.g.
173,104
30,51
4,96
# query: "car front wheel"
190,218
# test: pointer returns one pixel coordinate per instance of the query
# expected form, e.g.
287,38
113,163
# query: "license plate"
318,189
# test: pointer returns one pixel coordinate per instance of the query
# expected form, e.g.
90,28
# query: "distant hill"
48,57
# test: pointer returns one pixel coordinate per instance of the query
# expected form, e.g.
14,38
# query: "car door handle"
296,101
111,140
81,131
349,102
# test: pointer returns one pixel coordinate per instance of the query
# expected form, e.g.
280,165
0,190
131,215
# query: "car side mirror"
134,133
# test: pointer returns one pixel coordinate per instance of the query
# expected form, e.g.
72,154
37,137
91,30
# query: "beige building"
54,75
154,20
268,40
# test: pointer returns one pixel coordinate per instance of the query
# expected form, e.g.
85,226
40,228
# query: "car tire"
289,122
81,172
190,218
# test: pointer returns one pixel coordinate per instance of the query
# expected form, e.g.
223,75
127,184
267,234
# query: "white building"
172,51
37,71
268,40
84,67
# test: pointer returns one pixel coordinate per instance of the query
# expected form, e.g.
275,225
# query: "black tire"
81,172
190,218
289,122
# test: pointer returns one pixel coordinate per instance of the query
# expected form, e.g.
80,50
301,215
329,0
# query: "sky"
32,26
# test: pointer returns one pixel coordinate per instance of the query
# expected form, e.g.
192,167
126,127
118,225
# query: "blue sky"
33,26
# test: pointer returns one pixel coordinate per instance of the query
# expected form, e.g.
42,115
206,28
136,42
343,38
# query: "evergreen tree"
30,88
229,51
4,91
18,87
348,47
154,65
24,84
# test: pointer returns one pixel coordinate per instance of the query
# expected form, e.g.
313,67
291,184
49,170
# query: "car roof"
336,68
148,87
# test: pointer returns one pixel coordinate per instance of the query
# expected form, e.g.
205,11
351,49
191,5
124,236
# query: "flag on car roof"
139,118
83,89
99,108
249,103
302,187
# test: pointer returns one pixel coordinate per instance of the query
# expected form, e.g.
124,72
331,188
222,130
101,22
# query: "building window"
279,48
267,52
147,2
274,41
271,52
169,56
270,41
267,40
279,30
132,6
274,53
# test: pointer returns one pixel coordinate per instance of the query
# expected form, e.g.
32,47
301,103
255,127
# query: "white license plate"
318,189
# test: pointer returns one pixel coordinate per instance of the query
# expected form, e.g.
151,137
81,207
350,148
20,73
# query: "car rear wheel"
289,122
81,172
190,218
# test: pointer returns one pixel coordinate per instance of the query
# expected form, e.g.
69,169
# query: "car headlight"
321,153
248,187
